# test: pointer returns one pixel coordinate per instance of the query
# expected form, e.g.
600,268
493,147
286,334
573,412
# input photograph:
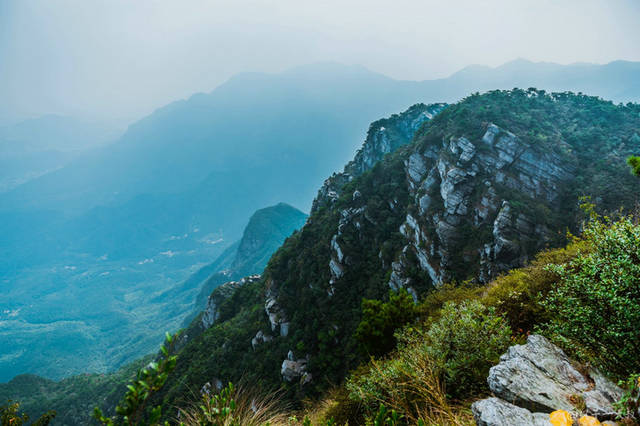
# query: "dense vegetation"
431,355
634,162
592,136
595,308
73,398
553,292
444,353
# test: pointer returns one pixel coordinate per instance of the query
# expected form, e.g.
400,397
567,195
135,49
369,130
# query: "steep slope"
384,136
144,213
266,231
482,187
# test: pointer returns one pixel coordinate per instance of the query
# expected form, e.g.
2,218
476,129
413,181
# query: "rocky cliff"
384,136
480,189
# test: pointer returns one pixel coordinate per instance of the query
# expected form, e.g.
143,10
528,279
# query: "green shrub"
338,406
596,305
431,307
149,380
629,405
518,294
237,406
407,383
380,320
10,416
465,342
455,351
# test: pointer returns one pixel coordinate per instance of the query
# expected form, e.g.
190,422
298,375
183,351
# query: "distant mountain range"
173,192
34,147
314,112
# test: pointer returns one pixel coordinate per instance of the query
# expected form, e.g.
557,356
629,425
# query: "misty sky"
120,59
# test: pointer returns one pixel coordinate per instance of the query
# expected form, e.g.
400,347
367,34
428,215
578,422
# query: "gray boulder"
497,412
212,312
537,378
293,369
260,338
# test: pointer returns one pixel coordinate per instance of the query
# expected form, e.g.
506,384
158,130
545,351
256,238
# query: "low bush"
518,294
10,415
233,407
407,383
629,405
465,342
595,307
634,163
454,353
380,320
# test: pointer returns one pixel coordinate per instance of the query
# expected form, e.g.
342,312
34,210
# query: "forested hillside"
483,187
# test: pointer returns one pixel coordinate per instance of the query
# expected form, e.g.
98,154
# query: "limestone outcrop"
537,378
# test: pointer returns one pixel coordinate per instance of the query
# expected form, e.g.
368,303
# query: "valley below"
74,317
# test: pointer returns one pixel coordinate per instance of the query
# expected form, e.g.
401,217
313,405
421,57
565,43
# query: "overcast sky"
120,59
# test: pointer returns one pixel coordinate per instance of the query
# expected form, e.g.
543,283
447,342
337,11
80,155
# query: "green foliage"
10,415
595,307
457,350
430,308
74,397
219,409
380,320
465,342
634,163
386,417
306,421
629,404
590,138
518,294
339,407
407,381
148,381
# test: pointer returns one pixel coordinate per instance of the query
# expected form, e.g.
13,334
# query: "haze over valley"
263,190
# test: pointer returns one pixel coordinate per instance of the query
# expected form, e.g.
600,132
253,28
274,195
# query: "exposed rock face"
212,312
538,377
293,369
465,185
277,316
465,190
458,186
384,136
260,338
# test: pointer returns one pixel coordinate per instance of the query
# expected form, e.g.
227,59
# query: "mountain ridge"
180,185
502,173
